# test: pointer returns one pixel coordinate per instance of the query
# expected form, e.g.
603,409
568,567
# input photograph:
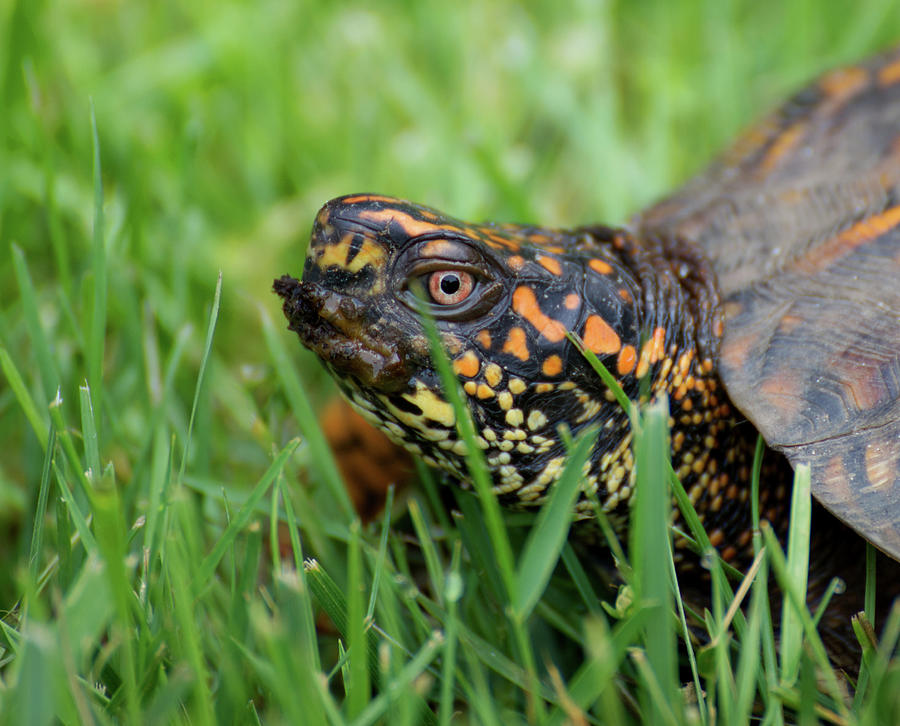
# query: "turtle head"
503,298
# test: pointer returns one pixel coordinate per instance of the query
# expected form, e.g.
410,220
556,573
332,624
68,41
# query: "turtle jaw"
337,328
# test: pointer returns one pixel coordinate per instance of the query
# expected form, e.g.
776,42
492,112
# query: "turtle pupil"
450,284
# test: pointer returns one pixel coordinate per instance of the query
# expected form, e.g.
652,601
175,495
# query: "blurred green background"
224,125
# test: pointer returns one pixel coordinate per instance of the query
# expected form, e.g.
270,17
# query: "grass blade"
548,533
796,573
650,548
20,390
46,366
242,518
207,347
97,339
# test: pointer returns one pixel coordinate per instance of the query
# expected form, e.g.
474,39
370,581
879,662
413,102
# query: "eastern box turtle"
767,289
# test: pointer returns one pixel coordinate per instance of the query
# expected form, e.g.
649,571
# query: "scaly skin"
503,298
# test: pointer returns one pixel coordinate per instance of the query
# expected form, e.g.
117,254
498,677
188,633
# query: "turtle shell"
801,221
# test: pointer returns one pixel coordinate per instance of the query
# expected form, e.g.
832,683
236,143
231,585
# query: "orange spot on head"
516,344
467,365
485,391
412,226
515,263
551,264
604,268
889,74
498,241
658,345
626,360
525,304
552,366
599,337
625,295
437,248
371,198
572,301
484,338
644,362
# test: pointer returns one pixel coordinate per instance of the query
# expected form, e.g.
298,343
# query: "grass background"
138,583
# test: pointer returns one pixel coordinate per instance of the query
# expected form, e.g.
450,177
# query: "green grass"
162,480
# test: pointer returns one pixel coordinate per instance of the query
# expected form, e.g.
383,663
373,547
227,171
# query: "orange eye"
448,287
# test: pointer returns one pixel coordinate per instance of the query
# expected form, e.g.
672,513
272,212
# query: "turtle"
762,298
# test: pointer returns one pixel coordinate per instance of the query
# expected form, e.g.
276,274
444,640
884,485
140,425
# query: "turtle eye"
449,287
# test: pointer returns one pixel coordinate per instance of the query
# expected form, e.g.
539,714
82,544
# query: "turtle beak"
336,327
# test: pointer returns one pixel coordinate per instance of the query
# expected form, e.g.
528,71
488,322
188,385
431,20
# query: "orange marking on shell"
467,365
525,304
880,468
889,74
842,84
604,268
836,480
716,538
572,301
732,309
515,263
516,344
552,366
781,392
551,264
555,249
484,338
729,553
867,392
626,361
412,226
783,144
599,337
625,295
789,323
848,240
